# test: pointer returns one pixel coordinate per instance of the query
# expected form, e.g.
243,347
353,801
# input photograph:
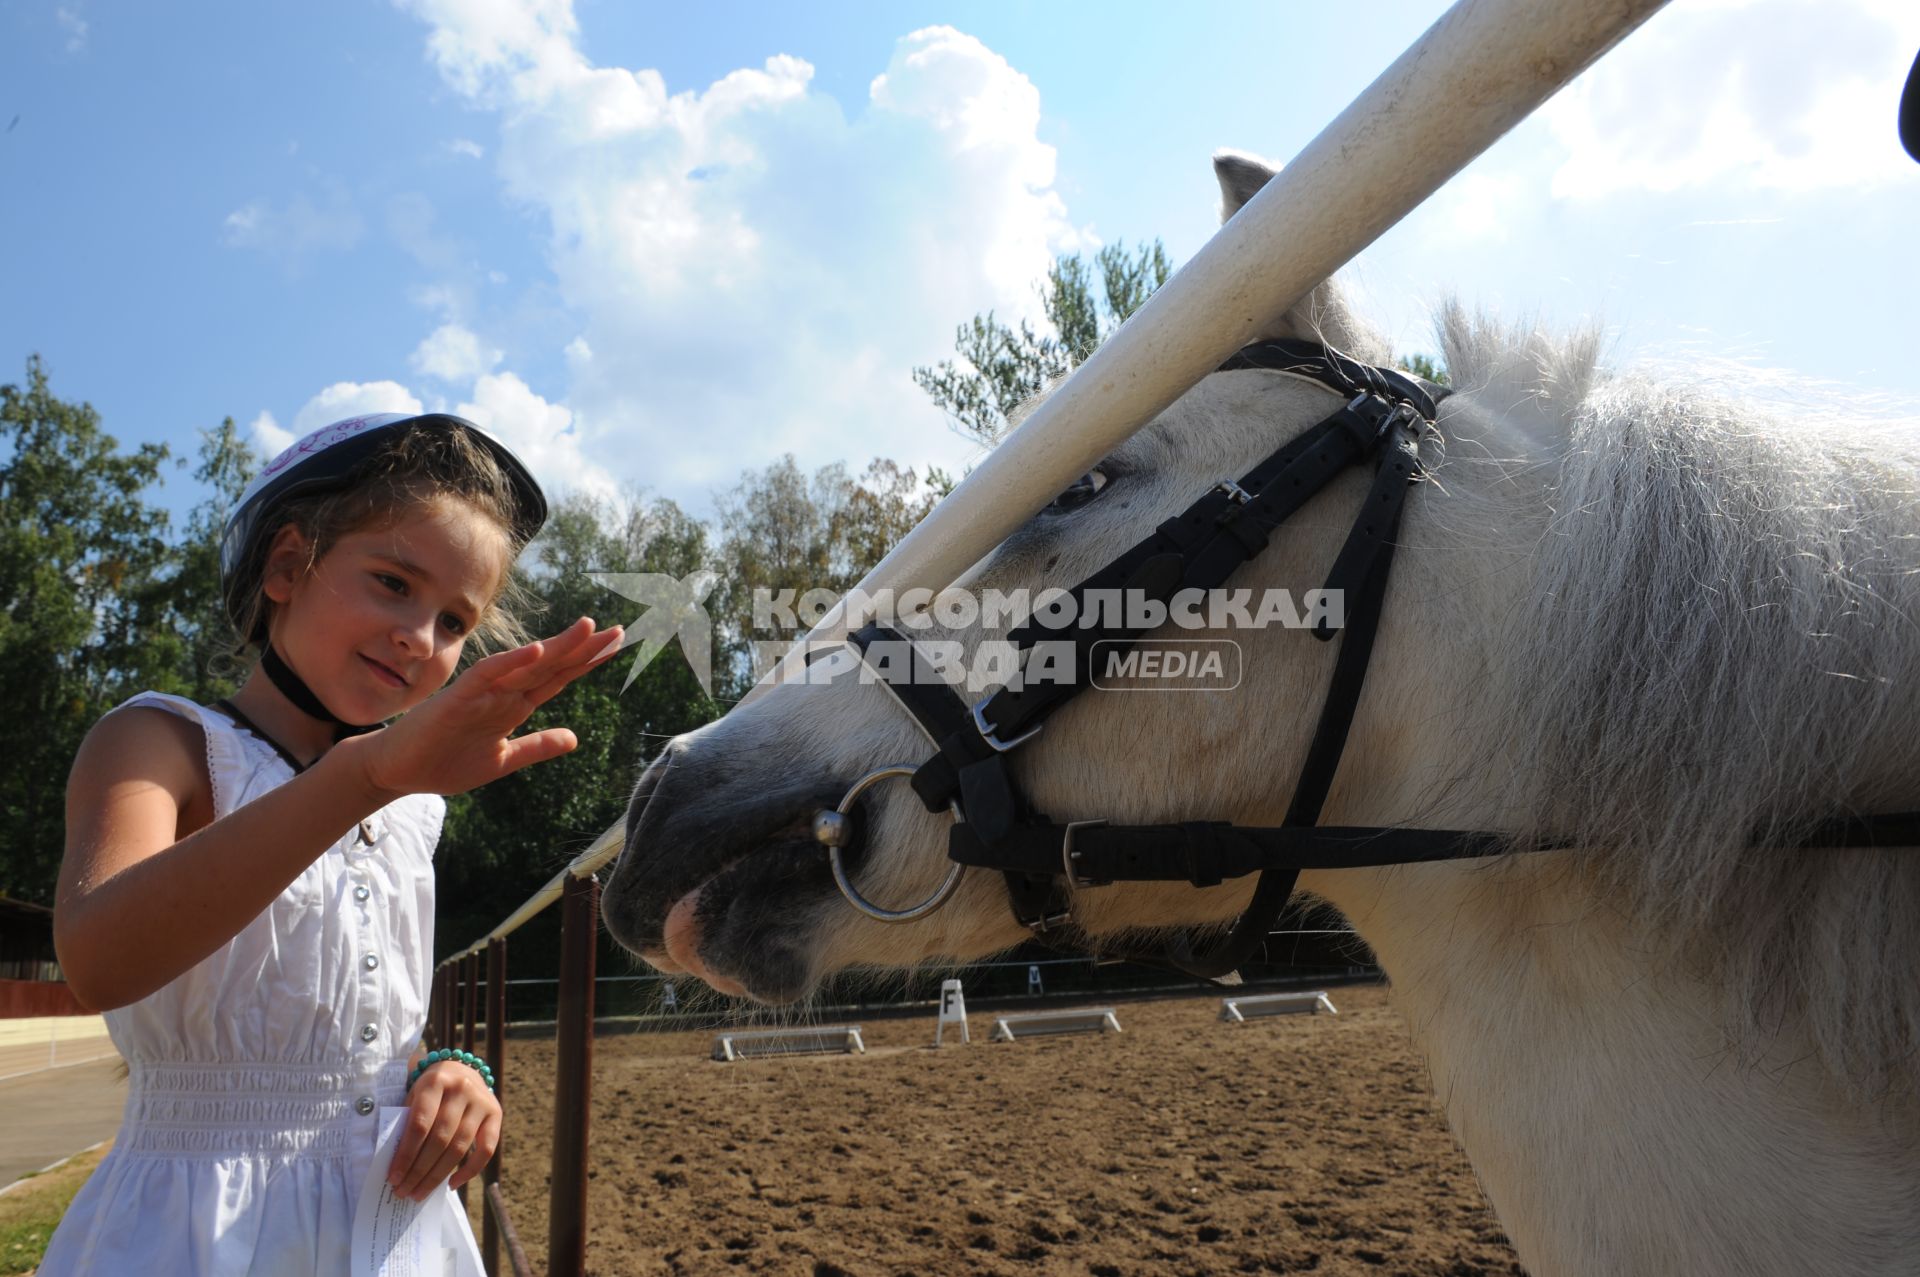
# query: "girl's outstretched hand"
462,737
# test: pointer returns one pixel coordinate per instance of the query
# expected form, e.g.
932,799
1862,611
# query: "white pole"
1482,68
1478,71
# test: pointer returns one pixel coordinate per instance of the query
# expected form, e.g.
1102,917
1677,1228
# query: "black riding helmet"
324,461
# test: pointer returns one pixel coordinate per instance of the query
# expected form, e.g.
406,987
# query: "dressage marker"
953,1010
816,1040
1240,1010
1033,1024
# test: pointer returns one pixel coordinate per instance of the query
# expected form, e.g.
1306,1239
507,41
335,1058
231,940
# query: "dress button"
368,1032
364,1105
371,962
361,894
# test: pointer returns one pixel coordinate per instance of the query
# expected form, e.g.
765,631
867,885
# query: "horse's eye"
1084,489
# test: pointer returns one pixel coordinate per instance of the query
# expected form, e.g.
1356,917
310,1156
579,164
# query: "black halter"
1201,549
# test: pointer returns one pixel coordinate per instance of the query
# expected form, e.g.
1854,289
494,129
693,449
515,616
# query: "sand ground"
1180,1146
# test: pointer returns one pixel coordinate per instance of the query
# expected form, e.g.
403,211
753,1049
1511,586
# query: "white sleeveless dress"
255,1078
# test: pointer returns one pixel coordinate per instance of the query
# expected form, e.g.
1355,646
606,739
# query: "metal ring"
941,894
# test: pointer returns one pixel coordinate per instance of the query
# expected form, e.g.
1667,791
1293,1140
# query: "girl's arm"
135,907
138,905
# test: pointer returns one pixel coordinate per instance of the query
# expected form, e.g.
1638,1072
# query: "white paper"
396,1237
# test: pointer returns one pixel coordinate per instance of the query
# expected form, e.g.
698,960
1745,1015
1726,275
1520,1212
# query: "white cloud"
351,399
752,269
467,147
68,16
540,432
1773,94
453,353
1476,206
298,228
269,439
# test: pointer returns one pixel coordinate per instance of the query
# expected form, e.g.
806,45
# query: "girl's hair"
417,467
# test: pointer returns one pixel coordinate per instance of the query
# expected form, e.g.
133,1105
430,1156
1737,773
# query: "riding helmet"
324,461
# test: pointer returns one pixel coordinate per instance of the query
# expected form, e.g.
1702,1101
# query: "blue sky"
653,245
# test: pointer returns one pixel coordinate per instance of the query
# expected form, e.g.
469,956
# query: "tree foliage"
1000,367
1428,367
784,531
77,544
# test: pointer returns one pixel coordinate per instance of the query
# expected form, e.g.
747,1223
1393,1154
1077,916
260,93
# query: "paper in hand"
397,1237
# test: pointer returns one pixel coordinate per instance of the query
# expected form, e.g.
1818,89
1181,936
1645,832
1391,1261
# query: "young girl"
248,887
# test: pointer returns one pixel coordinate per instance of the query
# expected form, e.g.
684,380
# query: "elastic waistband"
265,1110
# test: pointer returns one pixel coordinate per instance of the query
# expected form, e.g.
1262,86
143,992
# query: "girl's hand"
452,1128
461,737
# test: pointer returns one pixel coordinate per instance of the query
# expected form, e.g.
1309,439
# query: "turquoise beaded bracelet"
467,1058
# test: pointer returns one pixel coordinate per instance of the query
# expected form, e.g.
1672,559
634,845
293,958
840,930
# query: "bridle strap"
1200,549
1368,556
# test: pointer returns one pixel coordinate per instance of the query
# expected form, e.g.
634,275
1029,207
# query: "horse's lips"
681,935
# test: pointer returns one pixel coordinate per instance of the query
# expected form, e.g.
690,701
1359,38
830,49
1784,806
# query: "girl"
248,887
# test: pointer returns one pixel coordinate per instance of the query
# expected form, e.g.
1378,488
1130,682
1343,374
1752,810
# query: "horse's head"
721,873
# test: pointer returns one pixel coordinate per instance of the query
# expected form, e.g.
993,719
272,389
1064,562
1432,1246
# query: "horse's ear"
1322,315
1241,177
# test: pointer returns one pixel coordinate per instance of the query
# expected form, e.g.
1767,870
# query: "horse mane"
1711,639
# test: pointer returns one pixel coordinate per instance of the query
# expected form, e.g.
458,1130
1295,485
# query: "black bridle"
1042,859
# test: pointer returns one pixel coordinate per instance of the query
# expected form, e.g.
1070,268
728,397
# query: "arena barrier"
1484,66
1260,1006
823,1039
1036,1024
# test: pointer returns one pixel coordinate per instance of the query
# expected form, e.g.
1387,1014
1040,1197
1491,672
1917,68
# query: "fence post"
444,1030
573,1080
467,975
470,971
436,999
497,1057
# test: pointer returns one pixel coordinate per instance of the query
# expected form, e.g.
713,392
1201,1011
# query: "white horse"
1623,613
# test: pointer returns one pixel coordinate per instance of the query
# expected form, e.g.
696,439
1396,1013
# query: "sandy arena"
1182,1146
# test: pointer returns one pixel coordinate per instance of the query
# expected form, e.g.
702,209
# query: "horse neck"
1594,1089
1591,1077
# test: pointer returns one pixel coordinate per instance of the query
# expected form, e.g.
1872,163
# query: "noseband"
1042,860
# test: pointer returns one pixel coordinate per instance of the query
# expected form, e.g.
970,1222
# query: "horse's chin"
743,930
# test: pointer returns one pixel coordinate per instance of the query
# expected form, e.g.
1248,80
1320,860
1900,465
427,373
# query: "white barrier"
811,1040
1029,1024
1240,1010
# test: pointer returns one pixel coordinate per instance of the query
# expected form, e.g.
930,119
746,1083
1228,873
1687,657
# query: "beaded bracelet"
467,1058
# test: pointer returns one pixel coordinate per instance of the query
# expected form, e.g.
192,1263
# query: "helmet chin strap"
295,689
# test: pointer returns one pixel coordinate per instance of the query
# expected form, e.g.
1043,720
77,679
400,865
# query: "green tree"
783,531
79,549
1428,367
999,368
182,615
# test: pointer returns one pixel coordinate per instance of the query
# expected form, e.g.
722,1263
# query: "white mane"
1715,638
